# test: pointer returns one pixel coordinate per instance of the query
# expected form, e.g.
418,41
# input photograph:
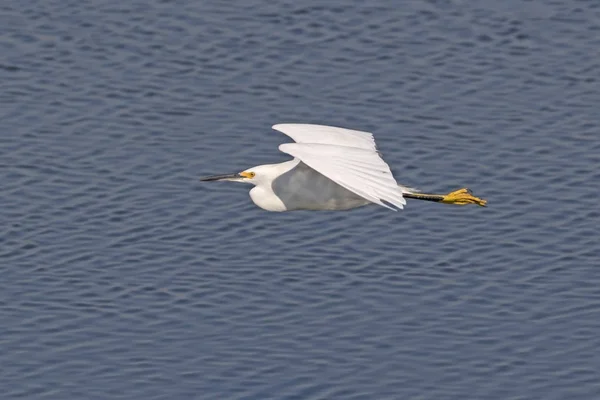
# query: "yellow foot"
461,197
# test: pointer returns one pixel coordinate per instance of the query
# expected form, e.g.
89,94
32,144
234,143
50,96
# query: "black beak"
226,177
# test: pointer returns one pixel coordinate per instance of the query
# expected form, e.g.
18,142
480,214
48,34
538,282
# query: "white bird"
333,169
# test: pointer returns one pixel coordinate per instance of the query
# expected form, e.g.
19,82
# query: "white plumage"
360,171
321,134
333,169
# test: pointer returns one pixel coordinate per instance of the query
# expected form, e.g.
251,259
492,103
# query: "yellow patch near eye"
248,175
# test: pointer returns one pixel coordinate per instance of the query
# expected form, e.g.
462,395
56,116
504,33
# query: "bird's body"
333,169
299,187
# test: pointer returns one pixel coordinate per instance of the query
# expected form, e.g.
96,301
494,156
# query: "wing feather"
359,170
321,134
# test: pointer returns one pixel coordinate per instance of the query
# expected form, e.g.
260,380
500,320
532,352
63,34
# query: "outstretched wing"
307,133
358,169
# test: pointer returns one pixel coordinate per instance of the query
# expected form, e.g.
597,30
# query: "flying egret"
333,169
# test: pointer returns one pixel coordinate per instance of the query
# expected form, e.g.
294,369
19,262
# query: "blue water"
123,277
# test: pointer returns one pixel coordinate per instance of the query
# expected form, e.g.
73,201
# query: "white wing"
307,133
360,170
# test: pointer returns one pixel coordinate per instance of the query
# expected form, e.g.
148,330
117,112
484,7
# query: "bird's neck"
265,198
263,194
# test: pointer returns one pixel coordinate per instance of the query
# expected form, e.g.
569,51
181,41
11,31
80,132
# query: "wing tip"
283,125
393,204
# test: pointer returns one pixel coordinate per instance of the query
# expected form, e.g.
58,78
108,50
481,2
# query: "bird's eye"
251,175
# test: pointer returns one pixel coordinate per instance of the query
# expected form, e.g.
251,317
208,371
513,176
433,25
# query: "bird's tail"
459,197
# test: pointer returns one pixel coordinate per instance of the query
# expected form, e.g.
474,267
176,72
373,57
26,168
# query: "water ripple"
124,277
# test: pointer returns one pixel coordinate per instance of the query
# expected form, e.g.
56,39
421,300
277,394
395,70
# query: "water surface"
123,277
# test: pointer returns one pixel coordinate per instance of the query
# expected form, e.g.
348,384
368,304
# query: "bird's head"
255,175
